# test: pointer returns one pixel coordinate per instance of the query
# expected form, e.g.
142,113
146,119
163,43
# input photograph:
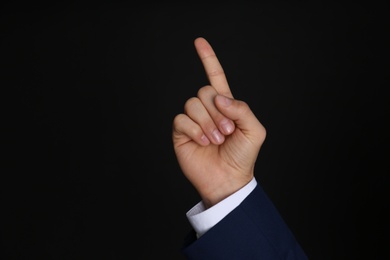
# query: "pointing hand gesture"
217,138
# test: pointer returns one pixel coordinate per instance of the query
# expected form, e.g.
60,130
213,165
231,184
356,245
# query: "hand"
217,139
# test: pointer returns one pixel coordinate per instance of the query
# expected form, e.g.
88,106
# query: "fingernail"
224,100
218,137
205,140
227,126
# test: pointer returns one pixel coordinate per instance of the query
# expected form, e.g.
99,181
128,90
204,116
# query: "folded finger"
207,95
185,130
199,114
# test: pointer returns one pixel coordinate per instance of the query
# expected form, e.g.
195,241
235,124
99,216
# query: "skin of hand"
217,138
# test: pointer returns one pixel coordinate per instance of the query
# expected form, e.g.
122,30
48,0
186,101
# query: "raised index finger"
213,68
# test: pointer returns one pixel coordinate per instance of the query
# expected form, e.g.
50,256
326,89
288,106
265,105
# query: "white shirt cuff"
202,219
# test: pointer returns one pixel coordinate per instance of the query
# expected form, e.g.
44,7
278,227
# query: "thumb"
242,115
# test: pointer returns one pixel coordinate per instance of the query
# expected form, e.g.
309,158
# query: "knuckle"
243,107
178,119
191,103
196,131
215,72
204,91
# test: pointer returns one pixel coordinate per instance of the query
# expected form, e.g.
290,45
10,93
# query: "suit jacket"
253,230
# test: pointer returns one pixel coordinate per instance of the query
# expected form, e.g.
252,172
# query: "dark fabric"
254,230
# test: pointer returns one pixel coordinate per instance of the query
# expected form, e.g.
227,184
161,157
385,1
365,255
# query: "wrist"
223,191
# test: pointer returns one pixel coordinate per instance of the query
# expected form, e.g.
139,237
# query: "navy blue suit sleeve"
253,230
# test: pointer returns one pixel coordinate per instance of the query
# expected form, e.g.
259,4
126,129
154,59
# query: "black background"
89,92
